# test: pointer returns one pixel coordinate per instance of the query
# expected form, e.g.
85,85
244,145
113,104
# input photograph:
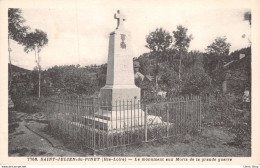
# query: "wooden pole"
145,124
167,119
180,70
200,114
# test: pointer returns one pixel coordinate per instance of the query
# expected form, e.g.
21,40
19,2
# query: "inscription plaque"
122,44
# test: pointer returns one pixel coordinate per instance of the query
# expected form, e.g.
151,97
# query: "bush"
29,105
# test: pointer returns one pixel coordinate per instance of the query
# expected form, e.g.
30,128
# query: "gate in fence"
90,123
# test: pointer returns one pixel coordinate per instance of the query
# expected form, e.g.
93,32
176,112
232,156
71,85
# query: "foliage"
35,41
214,59
195,81
16,30
163,63
194,78
101,75
223,112
181,39
235,54
29,104
74,79
20,87
220,47
146,63
158,40
67,79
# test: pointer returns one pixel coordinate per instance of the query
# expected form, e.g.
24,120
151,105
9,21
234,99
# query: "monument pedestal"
124,120
116,95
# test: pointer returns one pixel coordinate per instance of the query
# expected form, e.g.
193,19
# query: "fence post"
167,119
145,124
77,120
94,127
200,114
48,113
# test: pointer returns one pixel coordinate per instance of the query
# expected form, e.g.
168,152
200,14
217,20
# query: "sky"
80,35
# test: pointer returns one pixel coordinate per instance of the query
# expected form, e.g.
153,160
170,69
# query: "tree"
158,40
101,75
194,80
145,64
16,31
35,41
220,47
181,43
181,39
216,54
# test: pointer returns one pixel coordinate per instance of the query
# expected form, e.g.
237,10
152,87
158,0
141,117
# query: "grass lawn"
213,142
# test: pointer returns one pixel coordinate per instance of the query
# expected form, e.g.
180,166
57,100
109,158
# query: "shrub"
29,104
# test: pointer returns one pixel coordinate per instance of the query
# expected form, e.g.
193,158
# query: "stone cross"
120,19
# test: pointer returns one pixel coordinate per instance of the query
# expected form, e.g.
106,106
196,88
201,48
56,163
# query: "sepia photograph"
120,81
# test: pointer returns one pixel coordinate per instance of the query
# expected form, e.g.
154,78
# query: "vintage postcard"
129,82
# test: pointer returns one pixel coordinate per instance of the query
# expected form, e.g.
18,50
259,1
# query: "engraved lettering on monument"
122,44
123,68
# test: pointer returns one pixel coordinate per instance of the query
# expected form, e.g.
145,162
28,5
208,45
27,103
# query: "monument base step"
109,125
121,120
119,114
106,126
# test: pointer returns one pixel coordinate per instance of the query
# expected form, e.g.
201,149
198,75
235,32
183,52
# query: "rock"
154,119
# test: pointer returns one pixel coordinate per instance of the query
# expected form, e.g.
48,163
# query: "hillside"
17,69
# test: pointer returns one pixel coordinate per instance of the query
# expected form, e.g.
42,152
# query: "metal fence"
89,122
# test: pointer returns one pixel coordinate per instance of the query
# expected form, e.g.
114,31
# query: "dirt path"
25,142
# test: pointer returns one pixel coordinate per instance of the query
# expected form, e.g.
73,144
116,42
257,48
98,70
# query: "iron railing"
90,123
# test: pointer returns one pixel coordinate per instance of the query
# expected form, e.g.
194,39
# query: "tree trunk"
39,70
39,84
156,83
9,50
180,70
